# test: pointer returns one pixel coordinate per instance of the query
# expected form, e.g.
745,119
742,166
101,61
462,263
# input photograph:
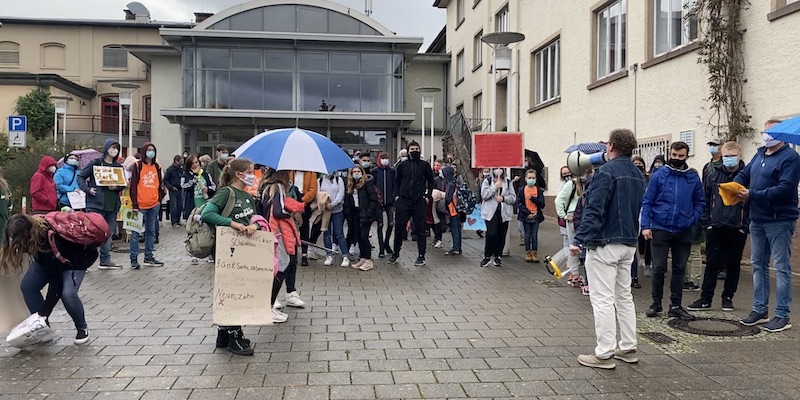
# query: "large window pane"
345,92
676,23
209,58
246,89
313,90
252,20
376,93
376,63
602,41
312,20
399,105
188,57
280,60
343,24
344,62
246,59
662,26
215,90
278,91
282,18
313,62
188,88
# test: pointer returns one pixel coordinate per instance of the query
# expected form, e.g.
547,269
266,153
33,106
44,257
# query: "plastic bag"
31,331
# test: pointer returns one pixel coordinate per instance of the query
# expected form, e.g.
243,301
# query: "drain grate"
714,327
658,337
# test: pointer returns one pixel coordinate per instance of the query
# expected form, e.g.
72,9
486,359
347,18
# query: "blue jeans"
337,226
111,220
455,232
531,235
37,277
772,239
175,206
150,225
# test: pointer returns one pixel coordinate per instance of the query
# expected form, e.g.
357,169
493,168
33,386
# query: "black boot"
237,344
222,339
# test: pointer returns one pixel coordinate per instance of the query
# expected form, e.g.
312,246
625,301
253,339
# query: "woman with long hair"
497,209
235,177
197,184
27,236
361,188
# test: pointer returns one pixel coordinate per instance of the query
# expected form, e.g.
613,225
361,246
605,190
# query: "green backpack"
202,236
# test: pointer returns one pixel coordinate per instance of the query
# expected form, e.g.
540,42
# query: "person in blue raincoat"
66,179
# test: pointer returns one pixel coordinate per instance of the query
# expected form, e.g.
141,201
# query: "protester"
66,179
365,161
214,167
365,200
304,188
172,180
234,178
439,218
716,157
565,203
497,210
335,187
43,189
27,236
530,203
202,187
103,199
726,230
453,217
401,156
672,205
609,231
414,182
146,195
771,180
385,176
644,258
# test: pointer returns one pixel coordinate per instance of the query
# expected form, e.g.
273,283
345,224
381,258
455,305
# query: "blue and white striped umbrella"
293,149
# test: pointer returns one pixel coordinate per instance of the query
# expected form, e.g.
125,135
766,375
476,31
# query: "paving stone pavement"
450,329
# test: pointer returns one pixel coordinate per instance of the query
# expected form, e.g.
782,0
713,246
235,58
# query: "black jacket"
172,178
716,213
414,181
368,210
385,181
80,258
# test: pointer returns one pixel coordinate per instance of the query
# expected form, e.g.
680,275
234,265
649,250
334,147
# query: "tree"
39,109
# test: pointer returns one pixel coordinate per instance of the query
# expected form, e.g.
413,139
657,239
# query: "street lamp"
126,90
60,103
501,54
427,93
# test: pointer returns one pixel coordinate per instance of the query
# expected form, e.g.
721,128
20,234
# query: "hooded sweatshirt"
146,186
66,179
86,182
43,189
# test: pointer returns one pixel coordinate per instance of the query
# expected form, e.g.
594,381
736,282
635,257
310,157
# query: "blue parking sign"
17,123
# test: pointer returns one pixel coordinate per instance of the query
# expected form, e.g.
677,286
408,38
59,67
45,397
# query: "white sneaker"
278,317
367,265
346,261
358,263
195,261
352,249
293,300
328,261
438,244
279,312
277,305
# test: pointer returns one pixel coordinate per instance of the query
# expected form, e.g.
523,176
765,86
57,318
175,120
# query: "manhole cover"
658,337
714,327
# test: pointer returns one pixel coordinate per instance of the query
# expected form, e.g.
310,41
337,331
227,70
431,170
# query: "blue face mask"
150,154
730,161
713,149
531,182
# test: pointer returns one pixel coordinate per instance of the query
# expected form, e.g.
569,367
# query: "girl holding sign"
235,177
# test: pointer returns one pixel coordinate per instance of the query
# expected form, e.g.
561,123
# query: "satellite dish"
138,9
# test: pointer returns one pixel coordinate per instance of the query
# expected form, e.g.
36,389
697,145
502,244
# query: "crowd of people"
607,215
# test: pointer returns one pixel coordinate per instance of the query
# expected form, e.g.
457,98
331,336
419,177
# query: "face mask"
437,168
531,182
487,174
385,162
249,179
150,154
566,177
498,172
730,161
713,149
404,158
357,177
416,155
72,162
52,169
769,141
657,166
113,152
641,167
676,163
223,156
365,164
185,156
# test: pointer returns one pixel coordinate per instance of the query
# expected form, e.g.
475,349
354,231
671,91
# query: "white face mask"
404,158
498,172
385,162
769,141
52,169
113,152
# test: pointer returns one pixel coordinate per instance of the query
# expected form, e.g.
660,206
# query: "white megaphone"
578,162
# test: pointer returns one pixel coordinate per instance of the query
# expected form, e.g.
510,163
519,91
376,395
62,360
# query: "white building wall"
167,83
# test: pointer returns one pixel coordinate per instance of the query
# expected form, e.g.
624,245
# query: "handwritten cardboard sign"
498,150
243,278
133,221
109,176
475,221
77,199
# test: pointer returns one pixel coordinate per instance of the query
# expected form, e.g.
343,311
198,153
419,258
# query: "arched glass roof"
302,18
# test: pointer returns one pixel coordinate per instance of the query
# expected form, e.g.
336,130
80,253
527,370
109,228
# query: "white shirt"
298,181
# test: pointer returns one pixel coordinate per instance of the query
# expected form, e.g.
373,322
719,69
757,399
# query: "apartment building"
587,67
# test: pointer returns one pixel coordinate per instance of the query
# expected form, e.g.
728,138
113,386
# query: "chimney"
201,16
129,15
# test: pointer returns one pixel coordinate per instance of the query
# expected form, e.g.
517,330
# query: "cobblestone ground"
446,330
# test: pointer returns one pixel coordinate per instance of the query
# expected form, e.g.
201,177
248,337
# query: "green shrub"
39,109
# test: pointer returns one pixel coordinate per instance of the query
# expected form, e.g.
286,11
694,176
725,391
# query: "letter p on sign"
17,127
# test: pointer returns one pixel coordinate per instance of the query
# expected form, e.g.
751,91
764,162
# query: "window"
9,54
611,38
675,24
477,106
460,12
460,109
477,50
109,114
53,56
501,20
148,105
460,67
547,72
115,57
782,8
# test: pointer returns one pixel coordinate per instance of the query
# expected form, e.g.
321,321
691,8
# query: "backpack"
465,200
202,236
85,229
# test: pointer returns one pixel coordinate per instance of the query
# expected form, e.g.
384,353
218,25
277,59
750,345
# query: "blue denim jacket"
613,201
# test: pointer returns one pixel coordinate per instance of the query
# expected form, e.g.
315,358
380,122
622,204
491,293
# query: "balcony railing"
104,124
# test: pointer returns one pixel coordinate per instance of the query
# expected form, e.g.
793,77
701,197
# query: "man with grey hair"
609,232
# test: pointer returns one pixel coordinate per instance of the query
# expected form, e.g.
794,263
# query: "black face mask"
676,163
415,155
641,167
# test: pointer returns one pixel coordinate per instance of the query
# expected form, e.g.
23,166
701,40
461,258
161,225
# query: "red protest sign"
498,150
